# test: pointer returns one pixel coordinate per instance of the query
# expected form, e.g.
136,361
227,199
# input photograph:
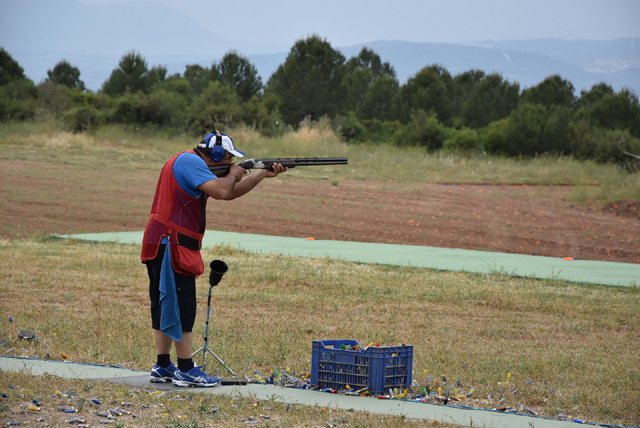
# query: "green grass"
577,343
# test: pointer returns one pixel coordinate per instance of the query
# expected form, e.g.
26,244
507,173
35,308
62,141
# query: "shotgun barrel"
221,170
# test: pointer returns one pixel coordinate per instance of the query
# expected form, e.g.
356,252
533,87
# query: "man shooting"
171,247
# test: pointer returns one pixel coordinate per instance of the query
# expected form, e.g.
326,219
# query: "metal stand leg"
205,348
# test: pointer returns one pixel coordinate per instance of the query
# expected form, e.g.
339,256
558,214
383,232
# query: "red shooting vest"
181,218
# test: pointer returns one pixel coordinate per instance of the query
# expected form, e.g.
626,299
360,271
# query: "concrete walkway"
432,412
581,271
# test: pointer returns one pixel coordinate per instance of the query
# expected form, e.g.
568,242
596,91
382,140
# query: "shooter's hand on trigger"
237,171
275,170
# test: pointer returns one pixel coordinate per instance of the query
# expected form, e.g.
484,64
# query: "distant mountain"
575,51
615,61
93,37
524,62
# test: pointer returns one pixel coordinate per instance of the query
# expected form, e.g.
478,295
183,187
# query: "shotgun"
222,170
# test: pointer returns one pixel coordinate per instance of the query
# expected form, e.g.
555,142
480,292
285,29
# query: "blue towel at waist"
170,311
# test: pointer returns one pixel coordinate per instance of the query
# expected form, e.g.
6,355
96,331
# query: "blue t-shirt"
190,171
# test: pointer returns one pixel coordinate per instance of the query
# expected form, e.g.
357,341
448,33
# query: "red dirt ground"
41,200
504,218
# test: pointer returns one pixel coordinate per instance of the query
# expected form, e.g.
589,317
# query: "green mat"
583,271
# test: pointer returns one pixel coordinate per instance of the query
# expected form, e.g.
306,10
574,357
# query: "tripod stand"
218,268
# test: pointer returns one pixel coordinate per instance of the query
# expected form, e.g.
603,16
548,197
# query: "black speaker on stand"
218,269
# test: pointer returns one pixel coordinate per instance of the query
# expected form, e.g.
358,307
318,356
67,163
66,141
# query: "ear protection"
217,151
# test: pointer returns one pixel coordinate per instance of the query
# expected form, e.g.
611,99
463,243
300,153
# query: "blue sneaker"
194,377
161,374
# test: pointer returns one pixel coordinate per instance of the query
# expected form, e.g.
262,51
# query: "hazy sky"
349,22
39,33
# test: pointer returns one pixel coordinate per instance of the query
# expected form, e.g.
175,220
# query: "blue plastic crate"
378,368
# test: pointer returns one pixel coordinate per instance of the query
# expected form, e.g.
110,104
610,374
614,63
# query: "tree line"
361,96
